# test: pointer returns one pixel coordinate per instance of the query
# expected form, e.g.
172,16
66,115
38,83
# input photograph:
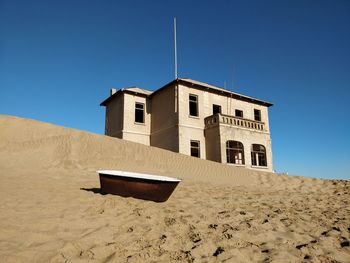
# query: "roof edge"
228,92
123,90
164,87
194,84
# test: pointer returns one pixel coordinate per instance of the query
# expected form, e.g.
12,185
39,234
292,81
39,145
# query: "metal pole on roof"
175,49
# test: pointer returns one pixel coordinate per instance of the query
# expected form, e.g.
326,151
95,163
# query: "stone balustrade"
217,119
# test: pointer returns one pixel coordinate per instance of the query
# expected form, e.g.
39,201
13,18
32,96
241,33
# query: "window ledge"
236,164
259,167
194,117
140,123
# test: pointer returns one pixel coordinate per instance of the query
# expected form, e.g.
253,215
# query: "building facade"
196,119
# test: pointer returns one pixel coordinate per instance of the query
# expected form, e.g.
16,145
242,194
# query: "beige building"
194,118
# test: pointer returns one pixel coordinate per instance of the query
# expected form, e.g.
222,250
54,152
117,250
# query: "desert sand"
52,209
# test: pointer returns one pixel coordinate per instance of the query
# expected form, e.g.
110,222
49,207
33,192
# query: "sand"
52,210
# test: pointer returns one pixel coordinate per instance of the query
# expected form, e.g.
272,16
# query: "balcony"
217,119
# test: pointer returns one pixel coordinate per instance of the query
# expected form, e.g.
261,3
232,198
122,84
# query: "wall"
164,125
248,111
114,117
186,134
247,137
170,126
166,139
192,128
132,131
206,100
212,144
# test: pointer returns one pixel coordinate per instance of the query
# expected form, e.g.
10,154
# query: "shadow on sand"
94,190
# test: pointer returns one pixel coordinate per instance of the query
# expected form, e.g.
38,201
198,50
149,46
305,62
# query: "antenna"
233,77
175,49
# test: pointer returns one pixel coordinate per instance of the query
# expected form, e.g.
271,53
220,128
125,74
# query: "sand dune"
52,211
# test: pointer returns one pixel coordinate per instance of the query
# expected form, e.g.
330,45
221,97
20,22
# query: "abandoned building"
196,119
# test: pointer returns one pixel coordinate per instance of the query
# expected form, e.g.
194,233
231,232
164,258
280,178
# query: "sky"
58,60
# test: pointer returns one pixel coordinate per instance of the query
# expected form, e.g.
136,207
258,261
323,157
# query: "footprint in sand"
301,246
169,221
218,251
213,226
344,242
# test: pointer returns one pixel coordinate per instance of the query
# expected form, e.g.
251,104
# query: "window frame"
189,105
217,107
233,152
259,158
255,115
138,109
198,148
236,115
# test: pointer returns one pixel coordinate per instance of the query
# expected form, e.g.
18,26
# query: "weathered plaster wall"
164,124
192,128
171,127
114,117
132,131
247,137
213,145
206,100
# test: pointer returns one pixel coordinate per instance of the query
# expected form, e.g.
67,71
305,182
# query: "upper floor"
182,102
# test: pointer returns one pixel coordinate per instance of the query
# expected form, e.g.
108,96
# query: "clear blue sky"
58,60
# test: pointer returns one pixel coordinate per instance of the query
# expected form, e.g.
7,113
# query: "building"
194,118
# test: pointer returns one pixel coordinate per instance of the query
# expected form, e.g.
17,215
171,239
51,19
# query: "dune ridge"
52,210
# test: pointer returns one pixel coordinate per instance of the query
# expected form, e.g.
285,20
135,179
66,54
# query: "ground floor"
221,143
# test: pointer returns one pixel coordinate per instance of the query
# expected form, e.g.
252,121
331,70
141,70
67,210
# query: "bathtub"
138,185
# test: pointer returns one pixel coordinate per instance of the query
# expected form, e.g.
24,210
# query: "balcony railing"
216,119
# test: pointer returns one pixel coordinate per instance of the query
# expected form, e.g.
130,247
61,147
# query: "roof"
227,92
205,86
139,90
195,84
130,90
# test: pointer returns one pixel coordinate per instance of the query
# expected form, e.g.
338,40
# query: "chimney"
112,91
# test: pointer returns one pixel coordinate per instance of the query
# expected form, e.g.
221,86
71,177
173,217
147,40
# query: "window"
239,113
139,112
257,115
195,149
258,155
234,152
193,104
216,109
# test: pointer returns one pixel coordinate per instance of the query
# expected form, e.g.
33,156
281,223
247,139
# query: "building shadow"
94,190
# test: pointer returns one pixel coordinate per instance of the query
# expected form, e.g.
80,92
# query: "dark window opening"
195,149
257,115
216,109
139,112
239,113
258,155
234,152
193,104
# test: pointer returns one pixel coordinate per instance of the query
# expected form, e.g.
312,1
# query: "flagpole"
175,48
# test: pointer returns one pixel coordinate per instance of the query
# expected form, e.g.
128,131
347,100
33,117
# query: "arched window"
259,155
234,152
